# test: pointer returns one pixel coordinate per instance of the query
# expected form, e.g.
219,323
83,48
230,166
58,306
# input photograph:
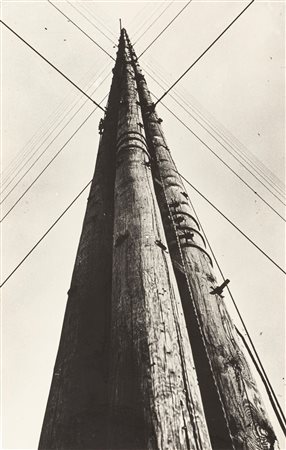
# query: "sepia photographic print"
143,225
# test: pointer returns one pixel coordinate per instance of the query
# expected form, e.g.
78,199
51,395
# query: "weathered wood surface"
76,414
154,397
235,414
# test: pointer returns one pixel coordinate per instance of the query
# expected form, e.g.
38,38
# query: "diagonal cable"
79,28
47,165
154,21
42,153
232,223
83,15
52,65
203,196
216,139
204,52
45,234
164,29
223,162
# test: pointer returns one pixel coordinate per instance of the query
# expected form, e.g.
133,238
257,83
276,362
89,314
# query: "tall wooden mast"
149,358
234,411
155,401
124,377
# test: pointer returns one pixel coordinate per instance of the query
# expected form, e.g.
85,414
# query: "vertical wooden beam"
76,413
235,414
154,397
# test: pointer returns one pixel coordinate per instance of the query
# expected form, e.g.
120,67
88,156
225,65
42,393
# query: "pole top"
120,25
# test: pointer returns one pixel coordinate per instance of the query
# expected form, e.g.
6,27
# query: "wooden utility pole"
235,415
149,358
154,396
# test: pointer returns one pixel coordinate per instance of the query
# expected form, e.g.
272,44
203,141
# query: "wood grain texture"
235,414
76,413
154,398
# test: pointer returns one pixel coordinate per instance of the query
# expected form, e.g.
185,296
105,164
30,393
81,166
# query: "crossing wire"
192,186
220,134
147,19
30,154
43,152
227,137
166,27
154,21
35,139
52,65
77,26
204,52
114,36
49,163
274,210
214,137
54,127
232,223
173,21
45,234
82,14
177,117
221,160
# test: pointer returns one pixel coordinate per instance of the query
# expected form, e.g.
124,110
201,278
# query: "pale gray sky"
240,82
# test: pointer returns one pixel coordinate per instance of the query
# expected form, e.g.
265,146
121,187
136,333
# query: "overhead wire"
204,52
30,153
96,18
196,119
205,144
223,162
47,165
140,14
233,224
77,26
217,140
147,18
51,64
3,176
218,133
83,15
203,125
46,148
154,21
164,29
45,234
52,140
193,187
230,139
226,135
